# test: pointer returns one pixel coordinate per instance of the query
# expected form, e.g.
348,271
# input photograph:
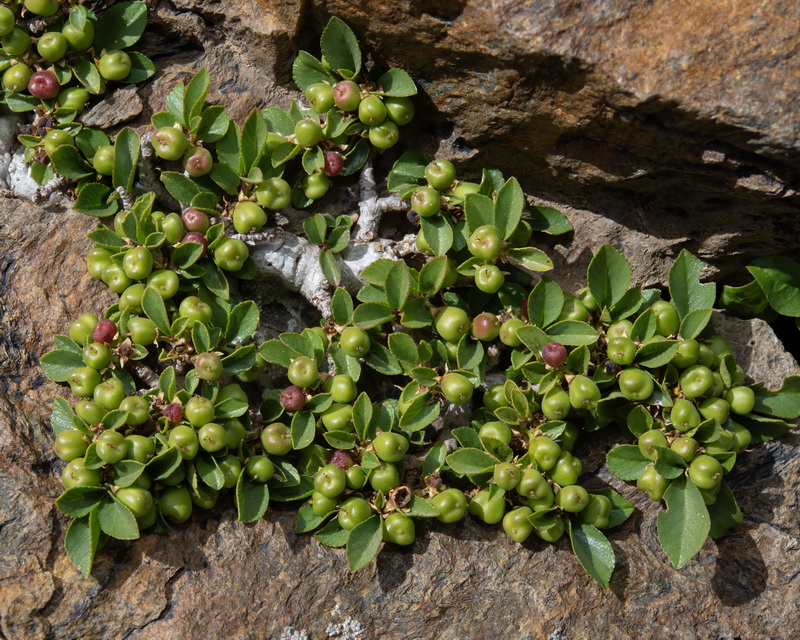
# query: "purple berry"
334,163
341,459
44,85
293,398
104,331
554,354
173,413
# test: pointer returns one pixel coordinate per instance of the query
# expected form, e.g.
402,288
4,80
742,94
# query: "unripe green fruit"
451,323
741,437
390,447
650,439
322,505
184,439
440,174
620,329
16,43
372,111
56,138
139,501
234,433
330,481
597,511
705,472
320,96
70,445
260,468
175,504
137,263
342,388
199,411
549,529
354,342
544,451
116,65
338,417
356,478
741,400
137,408
303,372
456,388
83,381
722,444
79,39
353,511
165,281
497,431
208,366
636,384
573,498
398,528
653,483
110,394
131,298
194,308
489,278
385,478
451,505
685,447
231,469
111,446
76,475
52,46
96,355
401,110
276,439
104,159
684,415
90,412
426,202
170,143
142,330
696,380
667,319
44,8
714,408
517,524
384,135
687,354
308,132
507,475
621,350
566,470
231,254
556,404
140,448
212,437
7,21
583,393
508,332
574,309
485,242
487,508
274,193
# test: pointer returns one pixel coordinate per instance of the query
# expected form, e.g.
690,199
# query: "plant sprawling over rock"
455,378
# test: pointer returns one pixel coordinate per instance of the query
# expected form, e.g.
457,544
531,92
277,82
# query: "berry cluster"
54,73
447,386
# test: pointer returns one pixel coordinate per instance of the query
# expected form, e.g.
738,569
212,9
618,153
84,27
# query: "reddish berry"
173,413
293,398
44,85
195,220
341,459
334,163
196,236
554,354
104,331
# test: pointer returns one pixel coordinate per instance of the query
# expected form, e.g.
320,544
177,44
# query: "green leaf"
438,232
644,326
142,68
126,472
398,285
639,421
121,26
724,513
480,211
313,160
59,363
252,499
307,70
19,103
396,83
89,140
181,187
88,75
435,458
228,145
377,272
403,347
315,229
685,525
382,360
126,158
82,540
330,268
303,489
694,322
533,337
195,95
419,507
355,157
656,354
95,199
341,306
508,208
340,48
303,429
470,353
79,501
468,461
545,303
61,416
550,221
573,333
338,239
225,176
243,320
214,123
432,275
621,509
609,276
209,471
668,463
239,361
747,301
162,465
419,414
155,309
784,403
277,352
371,314
333,534
627,462
629,304
407,173
307,520
684,285
530,258
779,278
254,136
593,550
340,439
364,542
116,520
68,162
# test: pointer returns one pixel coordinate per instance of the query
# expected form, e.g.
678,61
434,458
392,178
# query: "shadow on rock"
741,574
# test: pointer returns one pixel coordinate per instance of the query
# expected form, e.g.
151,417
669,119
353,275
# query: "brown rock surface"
657,126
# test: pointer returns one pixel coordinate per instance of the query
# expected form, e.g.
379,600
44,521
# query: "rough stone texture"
655,126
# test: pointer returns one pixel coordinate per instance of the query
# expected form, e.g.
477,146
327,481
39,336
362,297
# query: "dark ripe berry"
195,220
334,163
554,354
104,331
293,398
196,236
173,413
341,459
44,85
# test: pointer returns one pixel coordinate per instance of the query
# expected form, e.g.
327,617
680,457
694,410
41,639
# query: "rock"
649,157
